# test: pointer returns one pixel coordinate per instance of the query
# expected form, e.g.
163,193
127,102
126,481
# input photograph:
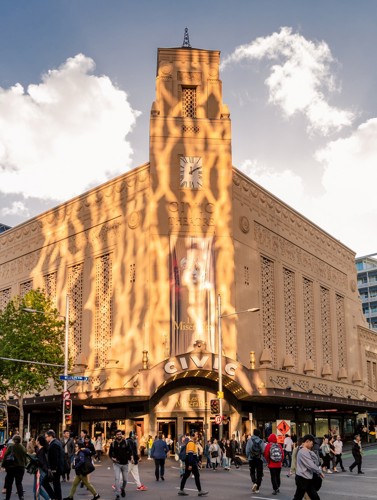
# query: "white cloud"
15,208
65,134
299,77
347,207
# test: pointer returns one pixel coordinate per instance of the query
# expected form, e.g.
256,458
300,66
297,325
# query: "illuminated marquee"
181,363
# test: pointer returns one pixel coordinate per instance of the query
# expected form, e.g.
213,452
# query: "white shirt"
338,445
288,444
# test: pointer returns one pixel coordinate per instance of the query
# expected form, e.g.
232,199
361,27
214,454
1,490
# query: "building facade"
146,259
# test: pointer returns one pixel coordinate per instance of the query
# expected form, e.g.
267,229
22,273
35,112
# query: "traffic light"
67,407
68,420
215,407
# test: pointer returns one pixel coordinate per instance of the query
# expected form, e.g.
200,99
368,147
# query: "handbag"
214,454
9,460
32,466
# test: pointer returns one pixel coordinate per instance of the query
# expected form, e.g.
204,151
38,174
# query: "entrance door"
193,426
215,430
168,428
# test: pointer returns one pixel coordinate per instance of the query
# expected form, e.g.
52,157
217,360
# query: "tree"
35,337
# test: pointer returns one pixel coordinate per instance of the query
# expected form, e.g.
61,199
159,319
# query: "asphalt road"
223,485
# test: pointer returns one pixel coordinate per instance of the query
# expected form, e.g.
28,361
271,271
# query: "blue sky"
77,79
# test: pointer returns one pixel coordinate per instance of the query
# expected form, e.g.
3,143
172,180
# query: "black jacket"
356,450
55,456
120,452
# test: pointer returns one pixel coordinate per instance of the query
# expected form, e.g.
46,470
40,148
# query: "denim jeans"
42,492
120,470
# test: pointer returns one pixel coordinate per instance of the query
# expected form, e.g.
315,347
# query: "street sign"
78,378
283,427
218,419
66,395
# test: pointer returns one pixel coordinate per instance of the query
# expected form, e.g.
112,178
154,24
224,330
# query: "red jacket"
273,465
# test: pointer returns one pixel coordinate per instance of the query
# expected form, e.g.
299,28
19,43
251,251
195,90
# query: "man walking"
133,464
307,470
356,452
55,458
254,452
120,453
192,466
158,453
69,451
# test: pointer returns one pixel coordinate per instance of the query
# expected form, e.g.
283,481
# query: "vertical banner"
192,293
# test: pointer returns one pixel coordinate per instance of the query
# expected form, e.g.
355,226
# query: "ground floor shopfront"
184,405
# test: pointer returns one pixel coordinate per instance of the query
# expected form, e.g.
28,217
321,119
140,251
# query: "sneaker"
202,493
113,487
257,490
254,488
162,478
361,472
182,493
142,488
96,497
329,471
123,492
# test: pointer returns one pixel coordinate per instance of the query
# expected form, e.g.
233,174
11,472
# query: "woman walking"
41,487
14,463
215,452
81,461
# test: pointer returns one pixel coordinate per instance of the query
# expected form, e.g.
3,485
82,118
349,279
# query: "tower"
190,209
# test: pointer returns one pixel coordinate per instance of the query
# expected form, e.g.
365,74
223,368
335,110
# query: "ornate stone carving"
308,303
103,310
75,290
189,77
244,224
133,220
268,307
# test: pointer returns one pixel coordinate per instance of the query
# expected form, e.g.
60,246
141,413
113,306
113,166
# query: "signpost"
283,427
77,378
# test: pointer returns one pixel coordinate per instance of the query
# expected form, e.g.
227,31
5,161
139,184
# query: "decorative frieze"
283,248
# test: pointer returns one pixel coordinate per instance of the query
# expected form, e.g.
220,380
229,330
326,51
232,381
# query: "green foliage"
28,336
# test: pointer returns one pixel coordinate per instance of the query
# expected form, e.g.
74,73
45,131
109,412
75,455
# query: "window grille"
189,102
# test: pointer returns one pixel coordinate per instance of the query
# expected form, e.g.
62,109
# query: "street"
224,485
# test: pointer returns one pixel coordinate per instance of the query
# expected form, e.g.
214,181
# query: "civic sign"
78,378
218,419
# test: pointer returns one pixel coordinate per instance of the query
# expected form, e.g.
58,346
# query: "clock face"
191,172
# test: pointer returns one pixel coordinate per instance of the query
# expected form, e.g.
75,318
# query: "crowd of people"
52,460
308,459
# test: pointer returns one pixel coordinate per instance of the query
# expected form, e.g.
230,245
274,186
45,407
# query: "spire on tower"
186,39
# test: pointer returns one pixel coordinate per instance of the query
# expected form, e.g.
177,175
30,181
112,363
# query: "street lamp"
220,316
66,340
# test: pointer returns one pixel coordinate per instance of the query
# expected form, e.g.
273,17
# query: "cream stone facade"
143,259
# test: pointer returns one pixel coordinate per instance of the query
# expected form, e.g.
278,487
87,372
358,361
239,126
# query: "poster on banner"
283,427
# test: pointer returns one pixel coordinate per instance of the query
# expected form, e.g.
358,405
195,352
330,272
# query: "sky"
77,80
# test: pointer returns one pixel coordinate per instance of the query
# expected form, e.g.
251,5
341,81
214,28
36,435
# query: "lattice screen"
5,296
26,287
290,313
50,286
268,306
309,325
341,330
246,275
103,323
75,290
326,326
189,102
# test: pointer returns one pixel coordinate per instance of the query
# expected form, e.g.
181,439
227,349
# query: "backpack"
275,453
256,447
182,453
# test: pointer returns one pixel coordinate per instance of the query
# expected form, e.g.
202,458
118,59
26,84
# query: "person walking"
356,452
158,453
192,466
309,474
325,451
133,464
120,453
41,477
149,446
14,462
55,457
69,451
274,455
338,446
215,453
82,465
254,453
288,448
98,446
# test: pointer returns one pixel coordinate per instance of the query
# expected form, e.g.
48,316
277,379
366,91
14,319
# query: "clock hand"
193,170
